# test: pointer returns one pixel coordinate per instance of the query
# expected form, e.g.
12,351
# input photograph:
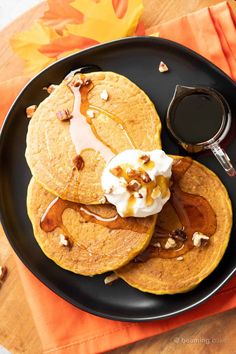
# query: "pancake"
161,270
87,240
67,155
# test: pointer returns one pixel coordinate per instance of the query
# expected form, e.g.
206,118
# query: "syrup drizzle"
52,218
192,212
82,130
160,182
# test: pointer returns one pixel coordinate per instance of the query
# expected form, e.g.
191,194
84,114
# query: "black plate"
138,59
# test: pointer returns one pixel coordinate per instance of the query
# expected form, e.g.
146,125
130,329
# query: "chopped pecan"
156,244
87,82
64,114
145,158
163,67
145,177
133,186
116,171
78,162
138,195
50,88
30,111
104,95
133,173
103,200
179,234
3,272
110,278
180,258
200,239
76,82
63,240
170,243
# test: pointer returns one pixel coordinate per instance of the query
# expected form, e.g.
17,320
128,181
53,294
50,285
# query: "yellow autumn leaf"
26,44
71,25
101,22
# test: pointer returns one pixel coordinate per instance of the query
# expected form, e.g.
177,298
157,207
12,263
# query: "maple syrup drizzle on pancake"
140,176
82,130
52,218
194,214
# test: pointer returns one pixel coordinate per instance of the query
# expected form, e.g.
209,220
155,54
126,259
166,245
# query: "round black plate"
138,59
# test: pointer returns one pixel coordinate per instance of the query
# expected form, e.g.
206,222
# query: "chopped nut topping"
133,173
78,162
3,272
155,193
102,200
133,186
145,177
179,234
129,170
30,111
63,240
145,158
199,239
180,258
110,278
104,95
138,195
157,244
163,67
170,243
116,171
50,88
64,114
76,82
90,113
87,82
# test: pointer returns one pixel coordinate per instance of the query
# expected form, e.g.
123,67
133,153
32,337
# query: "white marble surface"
10,9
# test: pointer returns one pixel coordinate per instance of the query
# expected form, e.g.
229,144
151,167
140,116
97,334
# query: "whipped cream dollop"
137,182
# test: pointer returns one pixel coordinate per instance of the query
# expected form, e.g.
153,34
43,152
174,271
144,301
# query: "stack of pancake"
73,133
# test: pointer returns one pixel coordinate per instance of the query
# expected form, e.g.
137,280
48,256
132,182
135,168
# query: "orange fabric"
211,32
63,328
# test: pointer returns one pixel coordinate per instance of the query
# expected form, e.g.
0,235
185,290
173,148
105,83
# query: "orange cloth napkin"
64,329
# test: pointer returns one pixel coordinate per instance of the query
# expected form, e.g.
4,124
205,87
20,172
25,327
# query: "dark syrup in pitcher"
199,118
196,117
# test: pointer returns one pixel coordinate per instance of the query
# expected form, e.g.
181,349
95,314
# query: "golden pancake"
87,240
176,261
84,122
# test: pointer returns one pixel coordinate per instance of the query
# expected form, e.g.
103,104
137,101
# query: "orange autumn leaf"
71,25
66,44
102,23
60,13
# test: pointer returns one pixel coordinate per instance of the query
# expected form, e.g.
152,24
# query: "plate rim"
37,273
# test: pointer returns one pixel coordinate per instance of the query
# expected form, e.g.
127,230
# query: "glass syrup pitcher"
199,118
